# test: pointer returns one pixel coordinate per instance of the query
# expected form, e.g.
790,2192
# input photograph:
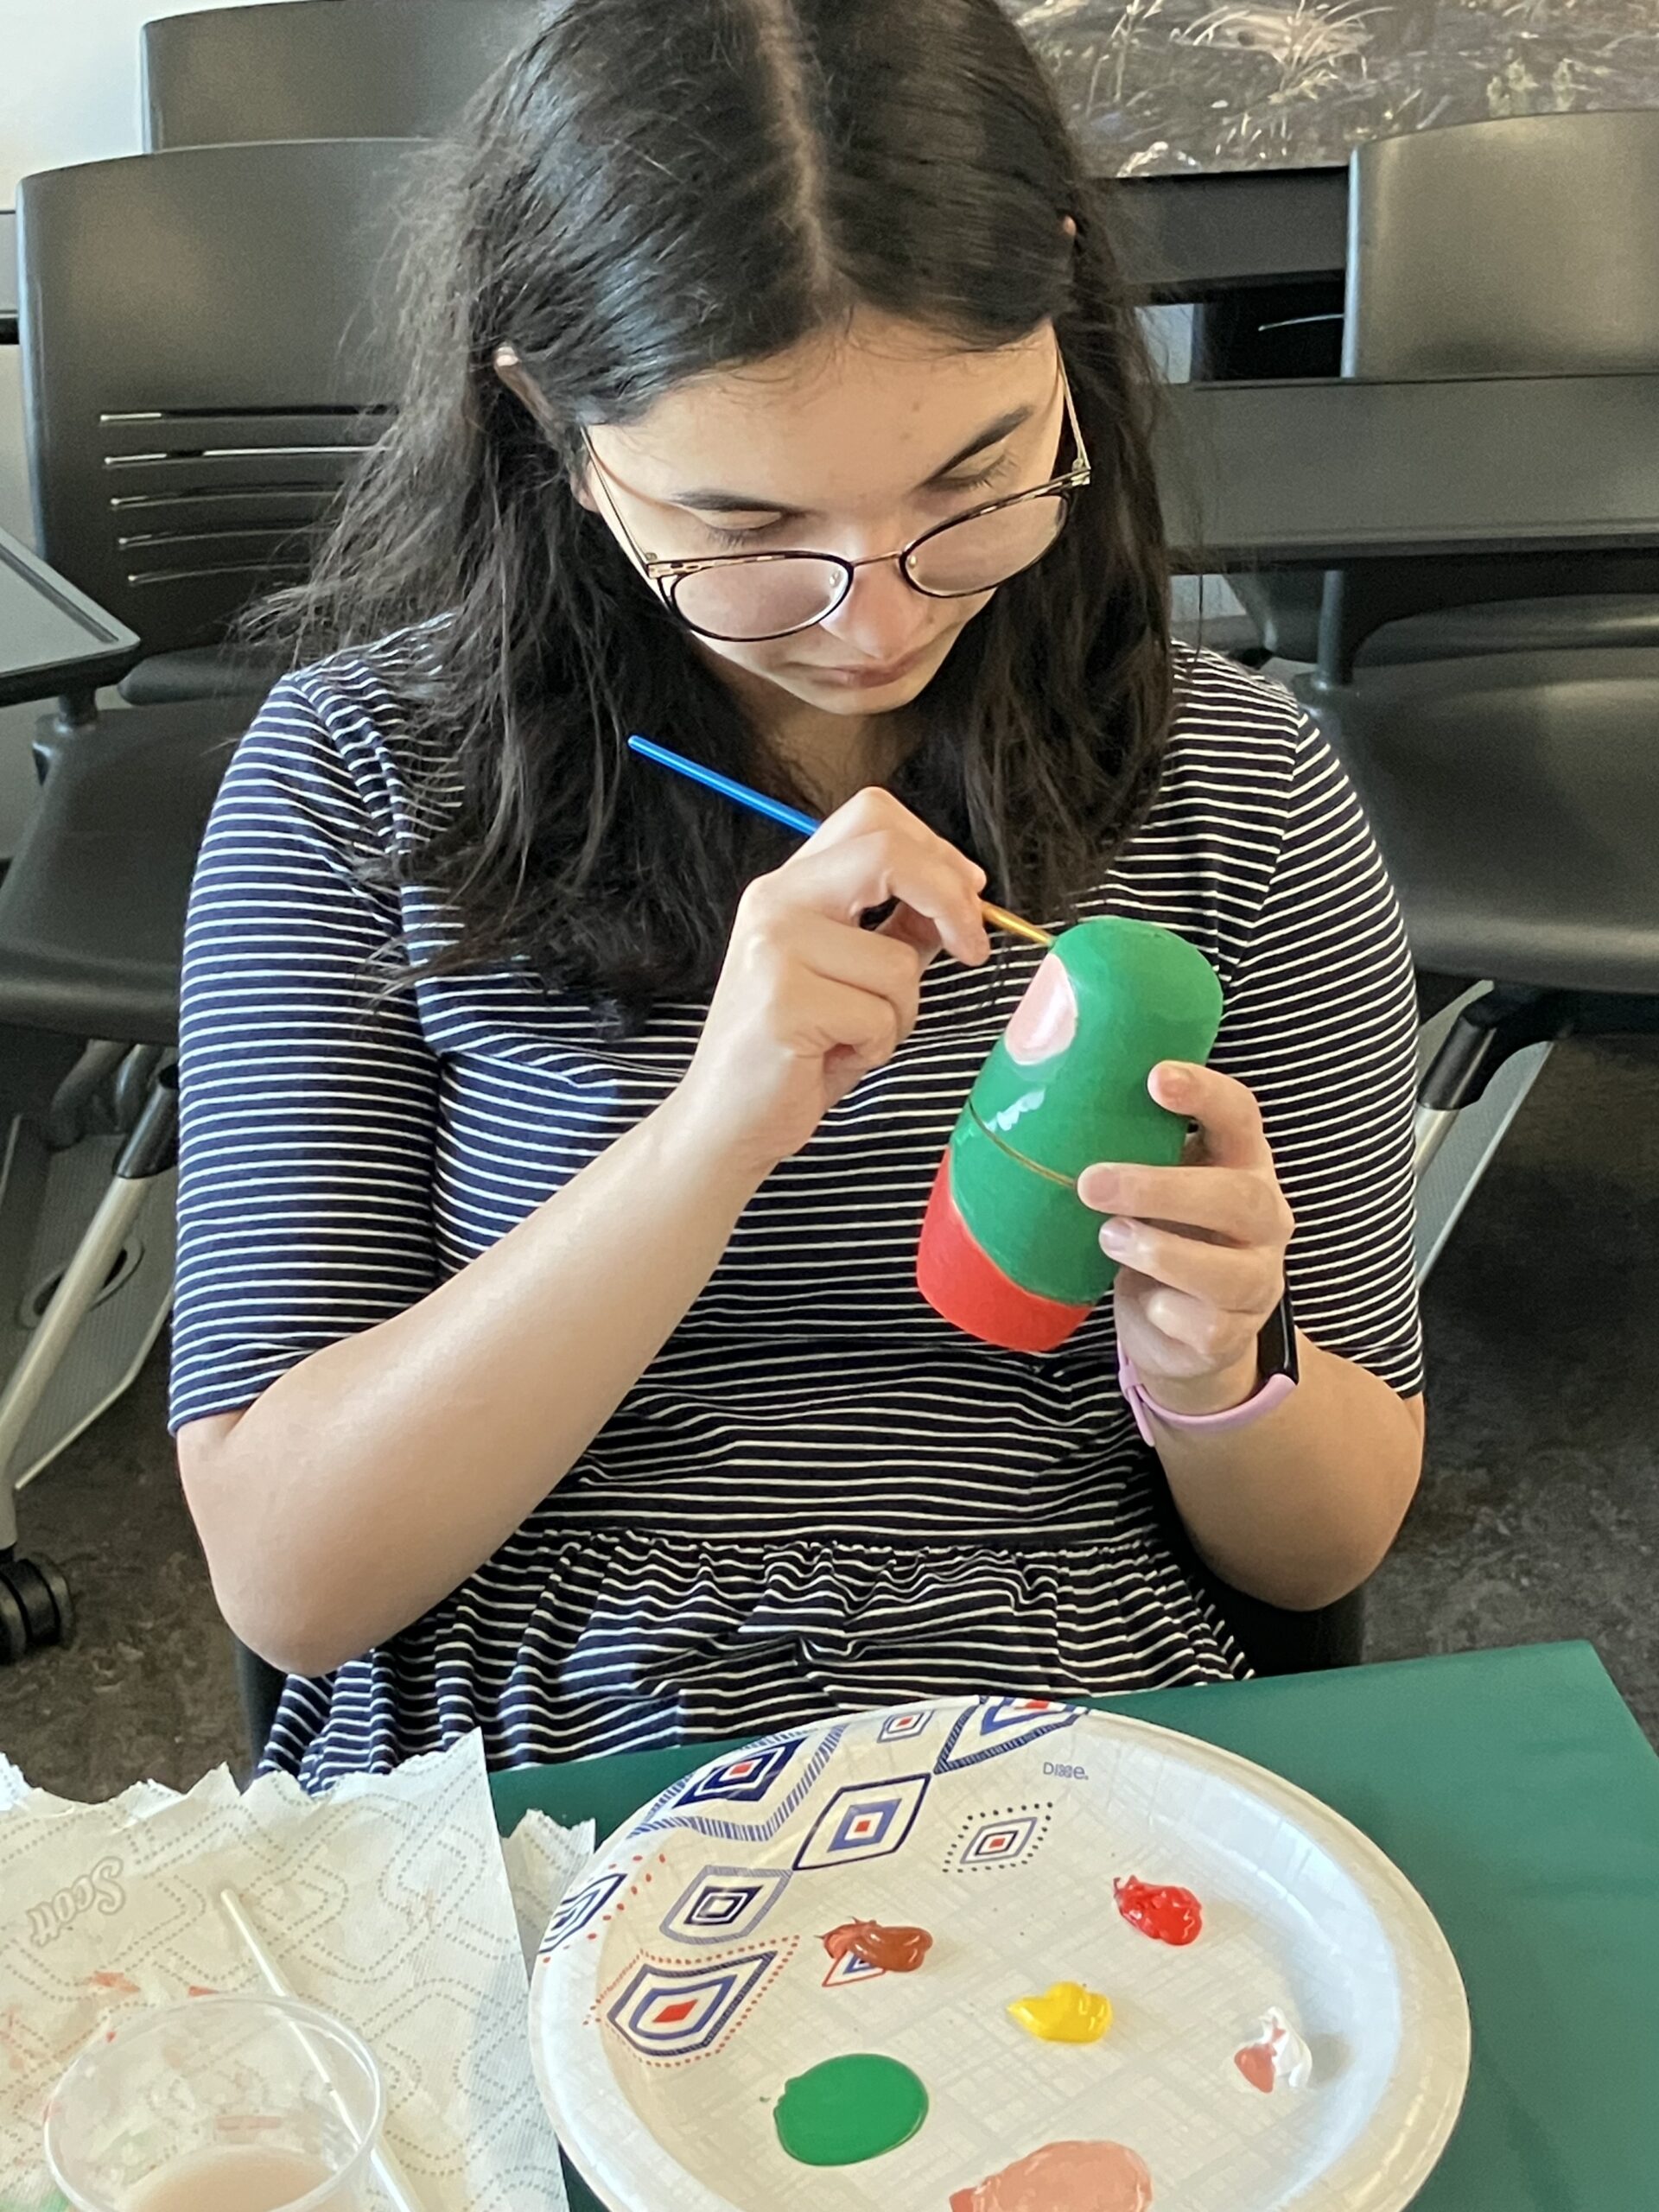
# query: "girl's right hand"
807,1001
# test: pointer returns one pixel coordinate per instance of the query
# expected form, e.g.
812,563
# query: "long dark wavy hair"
636,197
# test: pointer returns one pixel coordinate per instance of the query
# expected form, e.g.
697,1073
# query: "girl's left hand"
1200,1246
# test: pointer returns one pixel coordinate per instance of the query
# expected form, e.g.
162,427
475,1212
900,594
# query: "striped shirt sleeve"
308,1112
1321,1022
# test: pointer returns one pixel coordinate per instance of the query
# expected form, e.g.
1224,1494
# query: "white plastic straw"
387,2172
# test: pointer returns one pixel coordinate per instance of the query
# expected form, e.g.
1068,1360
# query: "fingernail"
1097,1186
1117,1235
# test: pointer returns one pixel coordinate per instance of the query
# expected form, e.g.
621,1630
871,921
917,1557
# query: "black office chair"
1546,269
194,329
1499,719
205,351
319,69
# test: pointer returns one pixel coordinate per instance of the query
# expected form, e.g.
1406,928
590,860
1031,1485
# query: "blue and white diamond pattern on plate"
850,1968
863,1820
675,2012
998,1725
760,1787
998,1843
900,1727
578,1907
724,1902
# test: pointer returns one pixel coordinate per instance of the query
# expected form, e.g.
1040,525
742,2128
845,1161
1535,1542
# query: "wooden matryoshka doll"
1009,1252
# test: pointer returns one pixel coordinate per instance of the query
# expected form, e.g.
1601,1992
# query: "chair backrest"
1520,247
206,347
322,68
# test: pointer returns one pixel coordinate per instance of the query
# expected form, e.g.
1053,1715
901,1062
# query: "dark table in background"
1242,113
1171,87
1516,1792
1315,473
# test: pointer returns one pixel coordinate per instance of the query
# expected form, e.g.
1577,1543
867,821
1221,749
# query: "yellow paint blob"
1068,2014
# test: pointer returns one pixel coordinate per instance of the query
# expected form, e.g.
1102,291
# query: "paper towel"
387,1902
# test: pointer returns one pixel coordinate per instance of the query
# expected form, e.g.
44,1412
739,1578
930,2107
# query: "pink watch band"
1273,1392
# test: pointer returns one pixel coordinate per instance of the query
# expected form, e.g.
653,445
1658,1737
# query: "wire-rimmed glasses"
743,598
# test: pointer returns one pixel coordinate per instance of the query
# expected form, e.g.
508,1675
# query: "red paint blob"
1166,1914
895,1950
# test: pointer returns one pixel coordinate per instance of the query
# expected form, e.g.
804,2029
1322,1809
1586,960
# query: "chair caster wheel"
35,1608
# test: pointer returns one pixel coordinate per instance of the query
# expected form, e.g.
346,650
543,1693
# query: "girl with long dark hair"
548,1352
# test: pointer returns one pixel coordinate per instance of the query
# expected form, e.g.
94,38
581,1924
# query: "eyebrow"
711,501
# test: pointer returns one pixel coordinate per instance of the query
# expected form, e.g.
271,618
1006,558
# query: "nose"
881,618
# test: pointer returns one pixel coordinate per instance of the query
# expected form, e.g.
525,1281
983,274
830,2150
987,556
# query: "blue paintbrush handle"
792,818
757,802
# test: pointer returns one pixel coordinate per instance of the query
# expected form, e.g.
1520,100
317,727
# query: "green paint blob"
849,2109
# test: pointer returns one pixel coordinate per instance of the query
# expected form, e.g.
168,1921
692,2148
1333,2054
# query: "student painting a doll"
556,1139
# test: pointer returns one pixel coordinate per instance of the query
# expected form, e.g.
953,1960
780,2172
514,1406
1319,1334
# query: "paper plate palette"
684,1980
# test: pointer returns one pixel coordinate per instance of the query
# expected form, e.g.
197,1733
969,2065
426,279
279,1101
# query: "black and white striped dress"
819,1495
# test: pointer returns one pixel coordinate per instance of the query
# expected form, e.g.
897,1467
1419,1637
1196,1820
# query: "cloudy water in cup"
242,2178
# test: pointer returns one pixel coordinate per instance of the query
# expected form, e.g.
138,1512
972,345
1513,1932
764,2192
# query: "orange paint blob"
895,1950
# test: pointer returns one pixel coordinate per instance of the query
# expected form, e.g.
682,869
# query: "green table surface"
1516,1791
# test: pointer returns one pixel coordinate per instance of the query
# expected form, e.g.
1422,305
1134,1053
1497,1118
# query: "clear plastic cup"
222,2104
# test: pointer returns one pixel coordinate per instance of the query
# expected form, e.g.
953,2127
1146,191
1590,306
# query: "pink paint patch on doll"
1065,2177
1046,1020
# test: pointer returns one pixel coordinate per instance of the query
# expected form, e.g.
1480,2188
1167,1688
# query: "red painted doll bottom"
966,1286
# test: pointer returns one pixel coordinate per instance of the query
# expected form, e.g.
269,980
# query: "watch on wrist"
1275,1364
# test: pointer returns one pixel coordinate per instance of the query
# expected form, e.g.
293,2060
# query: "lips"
872,672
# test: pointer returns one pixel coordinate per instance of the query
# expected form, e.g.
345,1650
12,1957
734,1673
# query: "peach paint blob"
1065,2177
1046,1020
1067,2013
895,1950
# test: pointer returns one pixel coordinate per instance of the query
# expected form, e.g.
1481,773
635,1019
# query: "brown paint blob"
895,1950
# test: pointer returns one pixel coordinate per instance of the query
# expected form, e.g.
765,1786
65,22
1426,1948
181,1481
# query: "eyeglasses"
741,598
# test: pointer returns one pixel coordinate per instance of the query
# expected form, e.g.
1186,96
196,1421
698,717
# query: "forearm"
1299,1506
372,1478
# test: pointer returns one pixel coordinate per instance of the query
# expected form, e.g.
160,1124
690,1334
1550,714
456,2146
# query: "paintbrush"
792,818
394,2181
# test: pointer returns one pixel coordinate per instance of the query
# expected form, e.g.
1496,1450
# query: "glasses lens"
759,598
986,550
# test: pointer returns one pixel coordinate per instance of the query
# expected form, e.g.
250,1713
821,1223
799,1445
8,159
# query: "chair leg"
33,1603
1486,1035
259,1685
78,1285
1489,1058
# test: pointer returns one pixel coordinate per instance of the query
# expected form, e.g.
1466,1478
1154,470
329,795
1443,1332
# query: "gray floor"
1539,1515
